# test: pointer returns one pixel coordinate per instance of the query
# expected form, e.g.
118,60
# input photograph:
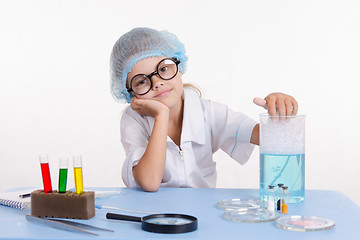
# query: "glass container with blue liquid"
282,154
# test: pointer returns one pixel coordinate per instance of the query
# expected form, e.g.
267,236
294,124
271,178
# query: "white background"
54,80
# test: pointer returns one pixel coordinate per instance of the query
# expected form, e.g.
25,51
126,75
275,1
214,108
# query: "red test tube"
45,171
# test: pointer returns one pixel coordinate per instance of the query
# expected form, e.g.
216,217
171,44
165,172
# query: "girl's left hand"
284,104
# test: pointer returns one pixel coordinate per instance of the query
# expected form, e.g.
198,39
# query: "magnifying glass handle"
123,217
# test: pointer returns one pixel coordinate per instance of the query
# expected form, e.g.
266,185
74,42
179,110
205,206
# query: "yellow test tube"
78,174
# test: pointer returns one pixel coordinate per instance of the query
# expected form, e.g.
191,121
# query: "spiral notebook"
12,199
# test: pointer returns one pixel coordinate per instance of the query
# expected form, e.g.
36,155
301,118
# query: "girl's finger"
260,102
295,107
271,106
289,108
281,108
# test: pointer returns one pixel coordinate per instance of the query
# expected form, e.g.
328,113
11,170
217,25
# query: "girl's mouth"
163,94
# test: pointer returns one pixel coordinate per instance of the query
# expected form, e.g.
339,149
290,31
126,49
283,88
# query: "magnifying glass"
161,223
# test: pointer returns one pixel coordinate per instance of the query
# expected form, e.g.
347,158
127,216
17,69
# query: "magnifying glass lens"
168,221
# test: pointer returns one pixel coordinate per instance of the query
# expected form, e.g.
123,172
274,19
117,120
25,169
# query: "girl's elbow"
149,187
148,183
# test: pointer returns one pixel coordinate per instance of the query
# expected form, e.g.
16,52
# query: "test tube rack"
63,205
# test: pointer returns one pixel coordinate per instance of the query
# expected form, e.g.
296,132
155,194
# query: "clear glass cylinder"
278,196
282,154
271,199
284,200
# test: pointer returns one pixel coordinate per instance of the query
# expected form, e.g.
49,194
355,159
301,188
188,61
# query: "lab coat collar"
193,127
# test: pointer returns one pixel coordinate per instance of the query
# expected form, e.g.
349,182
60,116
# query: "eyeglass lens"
166,69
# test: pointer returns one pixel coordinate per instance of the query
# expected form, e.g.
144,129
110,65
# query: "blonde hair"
193,86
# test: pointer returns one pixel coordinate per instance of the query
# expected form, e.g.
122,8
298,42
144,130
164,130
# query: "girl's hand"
148,107
286,105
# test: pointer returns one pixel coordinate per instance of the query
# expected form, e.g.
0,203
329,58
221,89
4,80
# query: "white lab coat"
207,126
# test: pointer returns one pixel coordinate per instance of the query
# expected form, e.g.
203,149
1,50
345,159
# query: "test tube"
78,174
285,200
270,200
278,197
45,172
63,171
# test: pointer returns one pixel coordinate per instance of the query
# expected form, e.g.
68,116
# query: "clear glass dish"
238,204
252,216
305,223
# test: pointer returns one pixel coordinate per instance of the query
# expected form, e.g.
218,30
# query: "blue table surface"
199,202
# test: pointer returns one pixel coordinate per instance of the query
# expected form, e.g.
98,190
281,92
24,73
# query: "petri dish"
253,216
238,204
305,223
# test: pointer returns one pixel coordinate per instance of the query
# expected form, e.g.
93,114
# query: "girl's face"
168,92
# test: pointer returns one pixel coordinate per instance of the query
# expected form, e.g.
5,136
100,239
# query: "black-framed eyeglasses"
166,69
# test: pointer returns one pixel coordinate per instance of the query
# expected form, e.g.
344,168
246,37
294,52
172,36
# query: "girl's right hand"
278,103
148,107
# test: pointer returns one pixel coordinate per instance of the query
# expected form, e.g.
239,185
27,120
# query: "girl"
169,132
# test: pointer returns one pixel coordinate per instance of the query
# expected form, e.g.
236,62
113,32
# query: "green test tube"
63,171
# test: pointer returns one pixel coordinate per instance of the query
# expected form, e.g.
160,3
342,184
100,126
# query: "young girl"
169,132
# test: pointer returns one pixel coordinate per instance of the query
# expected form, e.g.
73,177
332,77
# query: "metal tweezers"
66,225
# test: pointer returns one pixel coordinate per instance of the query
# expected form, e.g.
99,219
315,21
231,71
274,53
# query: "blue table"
200,202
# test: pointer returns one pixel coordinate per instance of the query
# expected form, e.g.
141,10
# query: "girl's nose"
157,82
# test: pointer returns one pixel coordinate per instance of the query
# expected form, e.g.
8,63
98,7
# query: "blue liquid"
286,169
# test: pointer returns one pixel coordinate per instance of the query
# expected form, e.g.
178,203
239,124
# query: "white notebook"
12,199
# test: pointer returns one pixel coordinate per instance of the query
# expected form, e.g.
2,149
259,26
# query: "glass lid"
239,204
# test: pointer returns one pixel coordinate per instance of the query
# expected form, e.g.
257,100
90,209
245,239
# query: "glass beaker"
282,154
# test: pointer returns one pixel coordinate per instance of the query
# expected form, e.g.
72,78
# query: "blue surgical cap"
136,45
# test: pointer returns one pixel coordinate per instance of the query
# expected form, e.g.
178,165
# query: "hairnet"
136,45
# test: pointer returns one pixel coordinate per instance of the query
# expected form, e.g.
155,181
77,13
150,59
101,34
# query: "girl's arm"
148,173
255,136
284,104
